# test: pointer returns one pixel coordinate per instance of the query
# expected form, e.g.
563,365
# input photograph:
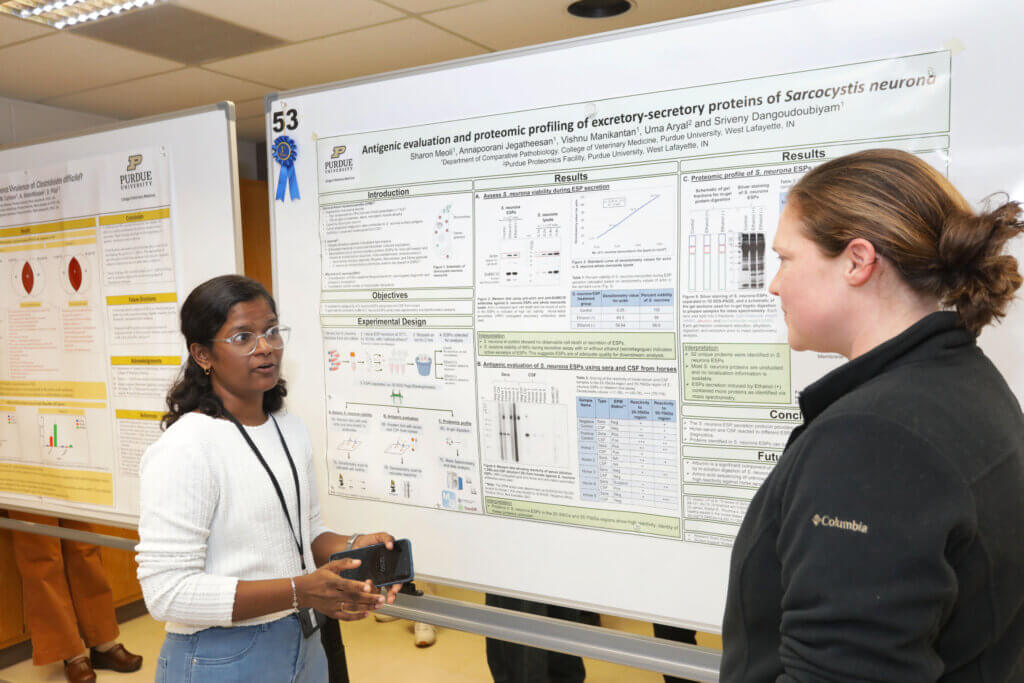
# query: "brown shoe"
116,658
79,671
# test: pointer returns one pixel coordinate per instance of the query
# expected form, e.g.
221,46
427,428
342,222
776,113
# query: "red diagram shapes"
75,273
28,278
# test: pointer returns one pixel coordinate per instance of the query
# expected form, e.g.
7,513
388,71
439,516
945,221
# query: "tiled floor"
376,652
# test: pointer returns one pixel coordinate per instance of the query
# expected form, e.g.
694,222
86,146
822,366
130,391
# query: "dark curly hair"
202,314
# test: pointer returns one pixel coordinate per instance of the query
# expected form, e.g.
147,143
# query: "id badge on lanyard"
309,619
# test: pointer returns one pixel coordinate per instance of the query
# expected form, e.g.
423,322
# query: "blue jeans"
275,652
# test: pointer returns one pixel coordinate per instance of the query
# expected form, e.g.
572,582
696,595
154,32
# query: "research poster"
89,342
562,314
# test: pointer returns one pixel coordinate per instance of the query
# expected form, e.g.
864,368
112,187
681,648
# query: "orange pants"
68,602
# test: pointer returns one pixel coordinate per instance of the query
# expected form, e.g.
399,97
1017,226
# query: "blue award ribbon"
285,153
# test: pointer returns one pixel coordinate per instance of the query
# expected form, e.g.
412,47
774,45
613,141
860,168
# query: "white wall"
26,121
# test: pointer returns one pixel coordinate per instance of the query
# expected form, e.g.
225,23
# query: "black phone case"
358,553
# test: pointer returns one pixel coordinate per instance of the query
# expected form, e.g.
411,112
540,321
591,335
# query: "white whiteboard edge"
271,199
236,205
226,106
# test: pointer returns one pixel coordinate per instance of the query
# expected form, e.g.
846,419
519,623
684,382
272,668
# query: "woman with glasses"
233,554
886,543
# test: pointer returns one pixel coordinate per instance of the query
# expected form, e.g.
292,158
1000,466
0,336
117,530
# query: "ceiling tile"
373,50
294,21
14,30
247,108
503,25
63,63
252,128
164,93
179,34
418,6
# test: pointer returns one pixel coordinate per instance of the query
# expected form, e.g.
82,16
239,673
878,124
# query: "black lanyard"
273,480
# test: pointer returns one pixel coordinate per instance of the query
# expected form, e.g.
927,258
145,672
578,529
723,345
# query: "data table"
623,309
628,451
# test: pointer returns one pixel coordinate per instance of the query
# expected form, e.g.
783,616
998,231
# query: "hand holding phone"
325,591
378,564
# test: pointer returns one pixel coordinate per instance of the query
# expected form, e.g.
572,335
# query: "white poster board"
528,290
102,234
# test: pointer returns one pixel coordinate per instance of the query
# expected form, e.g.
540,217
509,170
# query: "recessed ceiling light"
599,9
64,13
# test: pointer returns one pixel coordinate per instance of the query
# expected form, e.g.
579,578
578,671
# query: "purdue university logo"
339,167
135,178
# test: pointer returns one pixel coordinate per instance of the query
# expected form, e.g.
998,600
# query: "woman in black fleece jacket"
888,543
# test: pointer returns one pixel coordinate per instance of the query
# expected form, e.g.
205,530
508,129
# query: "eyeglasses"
245,343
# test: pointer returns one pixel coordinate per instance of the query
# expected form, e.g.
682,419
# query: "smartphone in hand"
380,565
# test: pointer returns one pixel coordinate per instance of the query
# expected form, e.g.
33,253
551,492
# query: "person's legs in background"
513,663
424,635
563,668
682,635
49,612
91,597
68,602
334,649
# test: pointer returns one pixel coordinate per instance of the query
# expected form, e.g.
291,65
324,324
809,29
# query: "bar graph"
64,436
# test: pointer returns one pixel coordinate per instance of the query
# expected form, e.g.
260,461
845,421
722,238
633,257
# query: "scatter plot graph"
621,202
627,218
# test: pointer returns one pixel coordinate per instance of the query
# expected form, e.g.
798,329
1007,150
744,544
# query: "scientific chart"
503,340
88,323
546,347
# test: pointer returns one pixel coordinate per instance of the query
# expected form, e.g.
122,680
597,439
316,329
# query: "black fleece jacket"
888,542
